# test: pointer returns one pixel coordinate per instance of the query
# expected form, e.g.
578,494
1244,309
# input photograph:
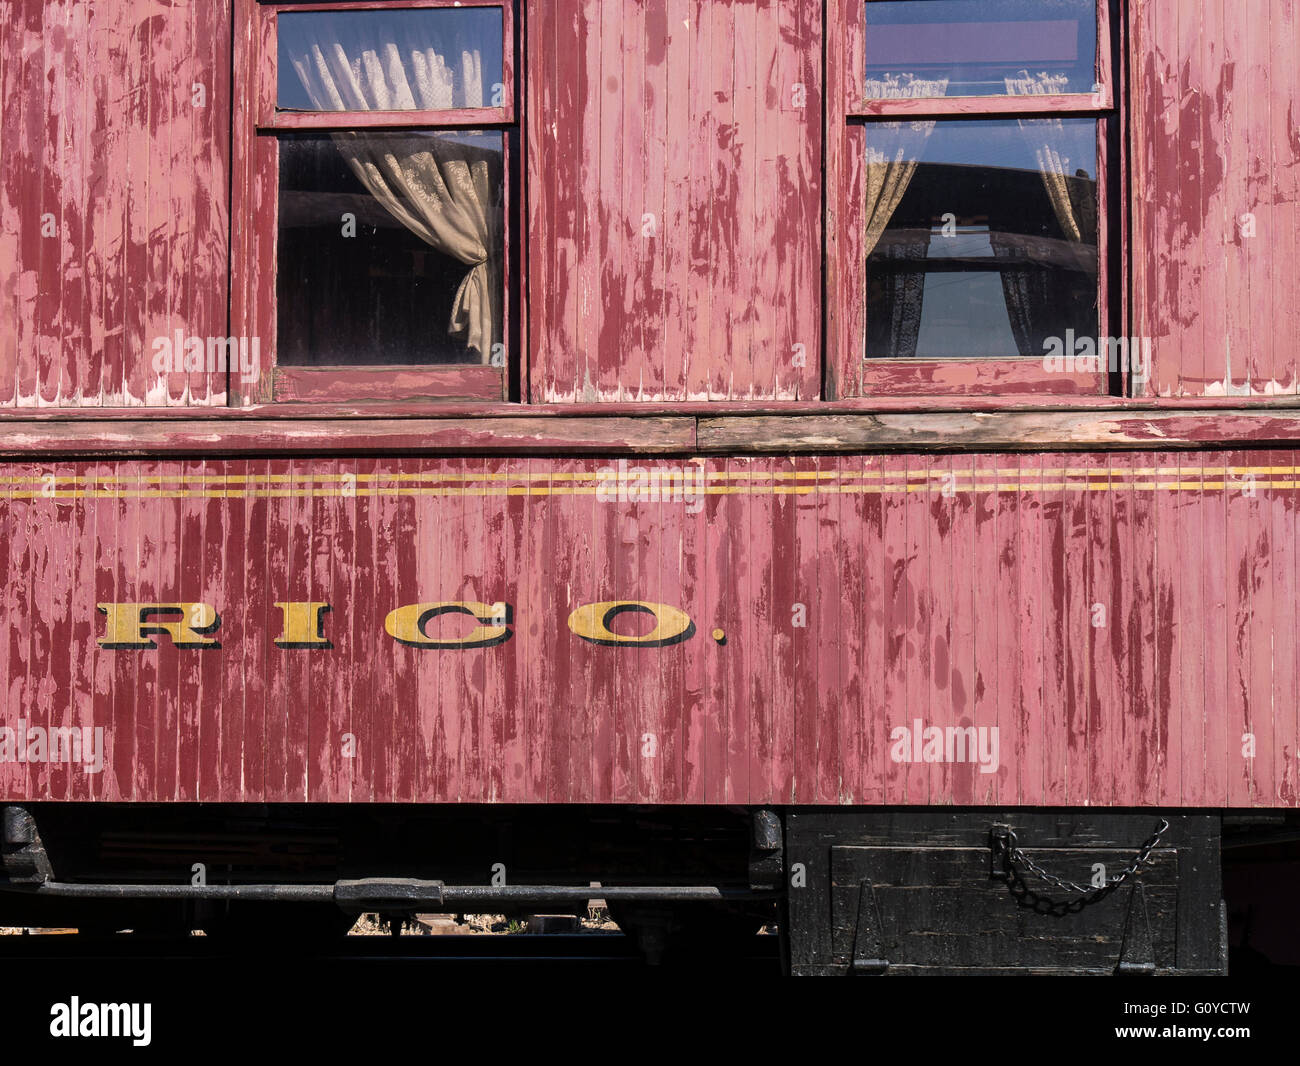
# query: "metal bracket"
766,851
999,845
868,952
1136,955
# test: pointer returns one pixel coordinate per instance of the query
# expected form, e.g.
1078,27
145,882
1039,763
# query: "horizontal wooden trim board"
1003,431
326,384
683,434
540,481
433,436
416,409
474,117
949,106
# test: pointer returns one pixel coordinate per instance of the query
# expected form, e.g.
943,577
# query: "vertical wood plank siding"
1127,622
683,110
674,199
1216,194
113,197
1124,621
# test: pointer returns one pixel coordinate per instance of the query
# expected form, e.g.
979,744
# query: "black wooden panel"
939,908
943,913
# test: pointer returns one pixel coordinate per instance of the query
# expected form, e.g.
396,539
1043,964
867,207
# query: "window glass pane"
428,58
981,236
980,47
390,248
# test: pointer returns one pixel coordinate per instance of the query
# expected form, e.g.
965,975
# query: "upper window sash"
851,73
265,44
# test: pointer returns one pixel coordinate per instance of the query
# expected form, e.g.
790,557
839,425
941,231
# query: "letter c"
406,625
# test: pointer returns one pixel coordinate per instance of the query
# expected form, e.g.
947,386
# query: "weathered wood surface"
674,199
339,430
1208,407
116,181
1216,204
1006,430
114,198
282,436
386,383
1124,621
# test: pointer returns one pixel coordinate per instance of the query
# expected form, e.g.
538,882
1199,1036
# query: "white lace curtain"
892,157
1075,213
439,188
894,153
1035,296
350,67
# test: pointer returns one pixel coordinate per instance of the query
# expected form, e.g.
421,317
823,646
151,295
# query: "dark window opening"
390,249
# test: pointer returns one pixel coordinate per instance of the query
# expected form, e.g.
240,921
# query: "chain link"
1005,845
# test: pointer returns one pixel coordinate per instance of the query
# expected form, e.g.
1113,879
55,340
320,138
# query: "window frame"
849,373
255,201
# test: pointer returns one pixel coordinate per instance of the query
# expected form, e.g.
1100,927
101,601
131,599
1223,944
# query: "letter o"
591,623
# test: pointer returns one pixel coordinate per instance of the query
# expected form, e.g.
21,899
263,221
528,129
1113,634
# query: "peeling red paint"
673,267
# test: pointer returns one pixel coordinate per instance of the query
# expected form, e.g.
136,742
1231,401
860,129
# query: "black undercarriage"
851,890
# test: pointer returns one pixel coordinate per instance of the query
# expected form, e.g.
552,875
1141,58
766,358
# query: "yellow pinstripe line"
609,474
907,487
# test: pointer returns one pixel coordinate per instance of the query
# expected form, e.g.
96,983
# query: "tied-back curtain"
1074,207
894,309
1033,288
893,157
439,188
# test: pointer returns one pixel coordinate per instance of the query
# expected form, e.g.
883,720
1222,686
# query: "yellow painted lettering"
304,625
592,621
128,625
407,624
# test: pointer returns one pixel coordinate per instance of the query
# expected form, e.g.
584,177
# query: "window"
378,146
972,148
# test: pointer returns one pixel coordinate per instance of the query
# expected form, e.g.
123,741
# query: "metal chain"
1004,844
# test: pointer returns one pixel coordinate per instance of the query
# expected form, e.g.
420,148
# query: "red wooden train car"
826,464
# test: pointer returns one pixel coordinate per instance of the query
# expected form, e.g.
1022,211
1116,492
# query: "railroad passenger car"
823,464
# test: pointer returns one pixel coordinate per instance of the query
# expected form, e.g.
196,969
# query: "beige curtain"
439,188
1038,300
893,156
1075,211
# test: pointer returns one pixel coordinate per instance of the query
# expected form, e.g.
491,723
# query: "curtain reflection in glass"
980,236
